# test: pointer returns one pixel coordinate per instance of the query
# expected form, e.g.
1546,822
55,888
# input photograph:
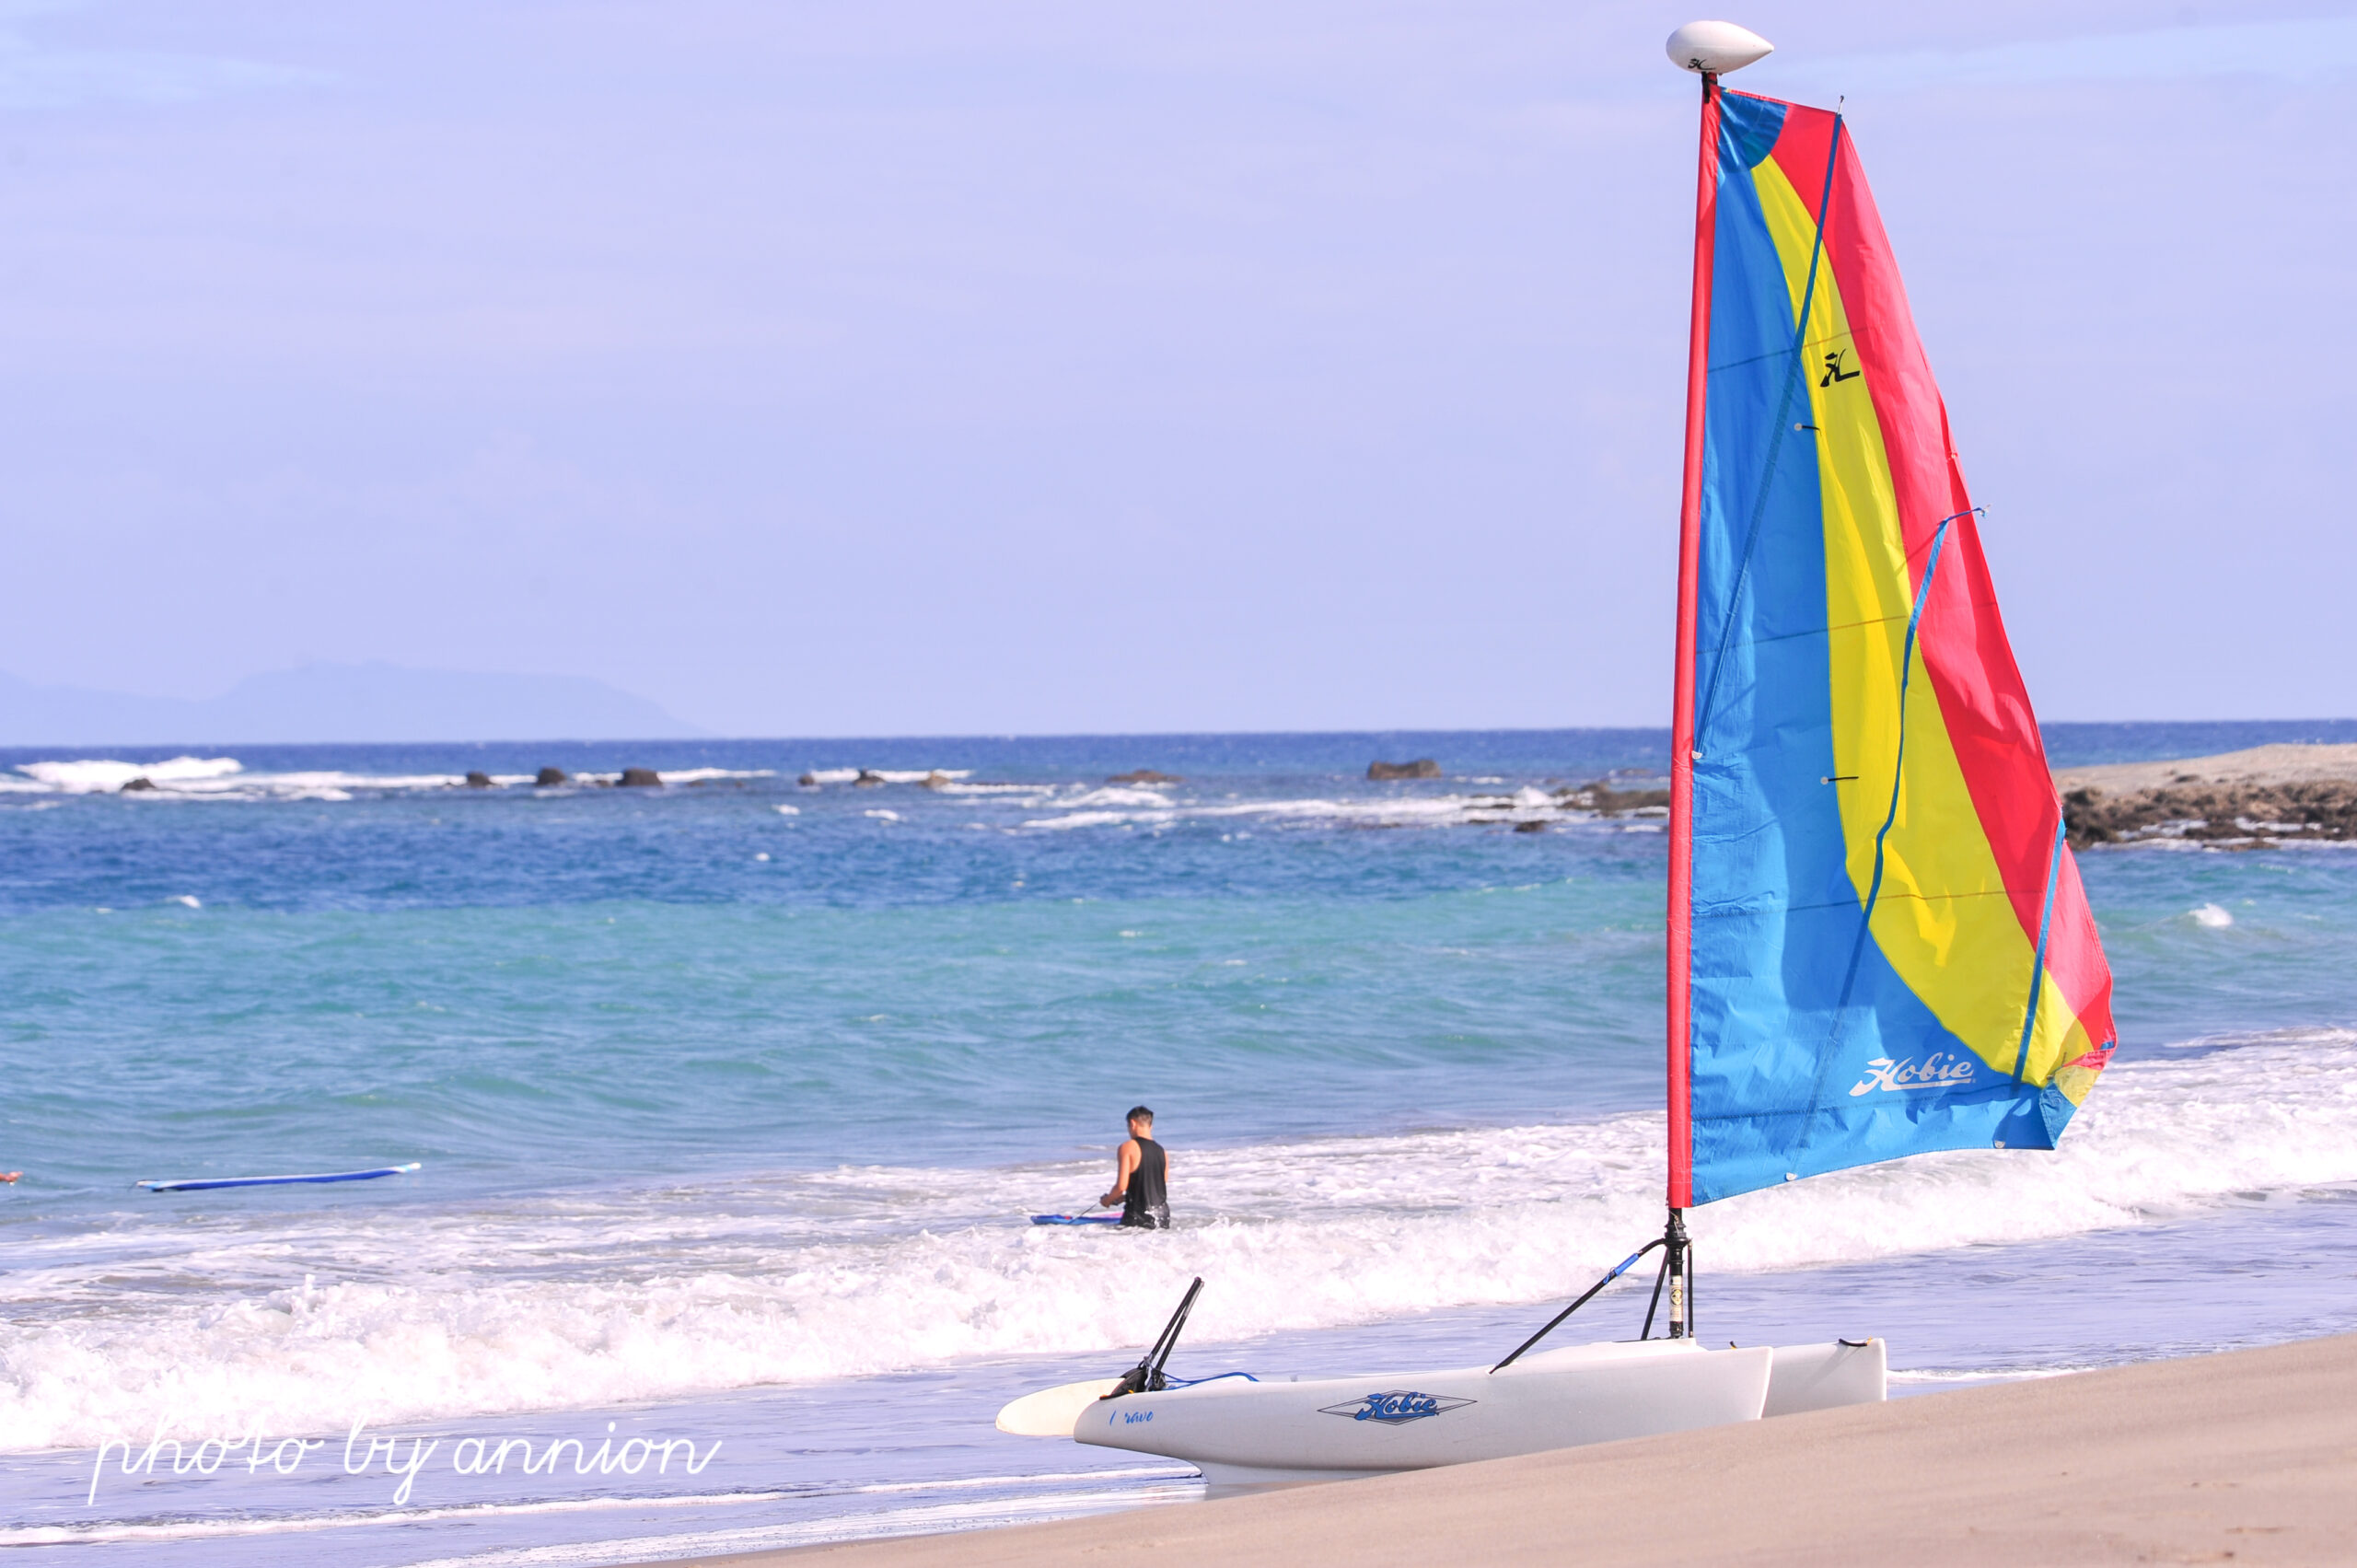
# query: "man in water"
1141,1175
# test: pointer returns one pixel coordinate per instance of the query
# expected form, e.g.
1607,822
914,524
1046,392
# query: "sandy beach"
2246,1457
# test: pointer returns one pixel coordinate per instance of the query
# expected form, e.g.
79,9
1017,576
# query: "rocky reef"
2232,816
2263,798
1603,799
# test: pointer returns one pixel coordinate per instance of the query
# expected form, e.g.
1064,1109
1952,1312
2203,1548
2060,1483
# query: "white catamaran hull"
1239,1432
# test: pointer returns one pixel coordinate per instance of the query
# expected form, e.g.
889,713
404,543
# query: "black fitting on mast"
1678,1266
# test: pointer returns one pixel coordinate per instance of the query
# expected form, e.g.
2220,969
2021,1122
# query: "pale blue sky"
935,366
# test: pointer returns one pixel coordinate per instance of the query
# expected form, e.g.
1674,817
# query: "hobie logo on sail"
1941,1070
1395,1406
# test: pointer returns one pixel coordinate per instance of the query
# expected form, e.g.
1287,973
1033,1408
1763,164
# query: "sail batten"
1886,947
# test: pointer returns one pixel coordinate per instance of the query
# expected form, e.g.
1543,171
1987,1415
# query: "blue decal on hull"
1395,1406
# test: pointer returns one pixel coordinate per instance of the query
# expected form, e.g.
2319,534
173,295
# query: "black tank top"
1147,1199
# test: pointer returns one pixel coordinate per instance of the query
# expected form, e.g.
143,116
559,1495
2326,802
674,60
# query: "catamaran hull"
1335,1428
1822,1377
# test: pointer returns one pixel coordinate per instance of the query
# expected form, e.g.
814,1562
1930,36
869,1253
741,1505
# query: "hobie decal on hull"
1397,1406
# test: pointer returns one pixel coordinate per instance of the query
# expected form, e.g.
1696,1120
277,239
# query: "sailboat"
1878,945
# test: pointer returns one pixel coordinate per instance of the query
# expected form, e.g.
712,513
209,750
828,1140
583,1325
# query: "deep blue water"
548,983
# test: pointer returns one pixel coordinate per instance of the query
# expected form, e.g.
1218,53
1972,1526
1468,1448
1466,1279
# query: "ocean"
732,1099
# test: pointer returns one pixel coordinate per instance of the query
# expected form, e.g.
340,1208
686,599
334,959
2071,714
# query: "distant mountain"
338,702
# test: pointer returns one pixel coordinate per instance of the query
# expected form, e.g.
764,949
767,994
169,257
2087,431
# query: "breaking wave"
945,797
226,779
213,1321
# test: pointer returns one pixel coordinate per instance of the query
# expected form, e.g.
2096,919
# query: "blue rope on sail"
1898,779
2045,924
1898,763
1792,382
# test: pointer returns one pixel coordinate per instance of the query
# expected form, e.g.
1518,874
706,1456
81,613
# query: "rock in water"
549,778
935,780
869,779
1530,827
1144,776
1605,801
137,784
478,780
641,778
1421,768
809,781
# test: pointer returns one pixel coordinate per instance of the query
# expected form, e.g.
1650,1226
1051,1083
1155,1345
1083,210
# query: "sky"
935,366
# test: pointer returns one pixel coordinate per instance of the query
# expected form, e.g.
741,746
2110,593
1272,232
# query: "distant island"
338,702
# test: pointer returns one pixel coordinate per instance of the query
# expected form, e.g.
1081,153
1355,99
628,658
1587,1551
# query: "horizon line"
1046,735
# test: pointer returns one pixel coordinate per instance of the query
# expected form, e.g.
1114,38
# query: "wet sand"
2246,1456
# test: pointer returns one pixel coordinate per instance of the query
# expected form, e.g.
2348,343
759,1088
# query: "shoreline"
2246,1456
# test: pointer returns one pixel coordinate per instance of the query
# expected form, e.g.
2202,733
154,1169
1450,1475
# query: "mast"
1682,729
1709,50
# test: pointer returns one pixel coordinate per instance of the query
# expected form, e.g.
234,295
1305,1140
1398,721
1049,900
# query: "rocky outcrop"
935,780
1421,768
549,778
641,778
809,781
476,780
1605,801
137,785
1528,809
869,779
1148,777
2216,816
2261,798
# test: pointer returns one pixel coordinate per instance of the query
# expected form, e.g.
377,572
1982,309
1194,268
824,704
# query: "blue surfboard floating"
202,1184
1076,1219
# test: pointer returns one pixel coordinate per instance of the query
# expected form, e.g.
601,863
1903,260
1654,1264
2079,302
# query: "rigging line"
2045,927
1832,626
1621,1269
1825,631
1745,912
1820,342
1898,781
1215,1377
1933,542
1794,378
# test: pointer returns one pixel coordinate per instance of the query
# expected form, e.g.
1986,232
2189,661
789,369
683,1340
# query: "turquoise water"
731,1098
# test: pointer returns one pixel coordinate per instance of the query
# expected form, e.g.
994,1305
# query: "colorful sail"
1889,951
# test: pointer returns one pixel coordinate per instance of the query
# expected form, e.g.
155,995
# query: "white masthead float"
1877,942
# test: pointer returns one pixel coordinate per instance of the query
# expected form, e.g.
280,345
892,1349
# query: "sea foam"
595,1298
94,775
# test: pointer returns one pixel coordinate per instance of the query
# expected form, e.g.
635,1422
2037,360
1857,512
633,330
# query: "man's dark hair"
1139,1113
